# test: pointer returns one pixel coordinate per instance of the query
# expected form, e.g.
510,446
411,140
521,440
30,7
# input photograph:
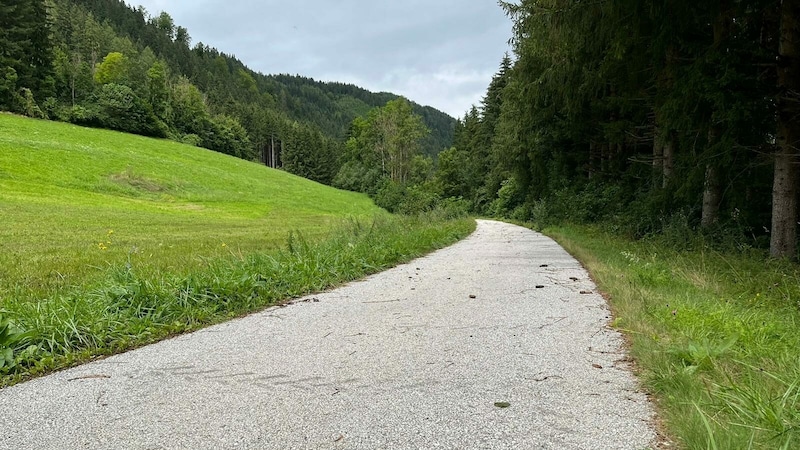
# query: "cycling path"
499,341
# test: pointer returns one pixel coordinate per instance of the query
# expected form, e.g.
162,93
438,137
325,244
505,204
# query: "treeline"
102,63
650,115
336,105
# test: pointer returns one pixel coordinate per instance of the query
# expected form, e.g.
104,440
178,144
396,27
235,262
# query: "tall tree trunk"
272,163
712,197
665,136
658,154
712,192
785,187
74,70
278,162
617,163
783,238
669,158
594,157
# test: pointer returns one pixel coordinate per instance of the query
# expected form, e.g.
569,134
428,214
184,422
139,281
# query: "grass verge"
133,307
714,335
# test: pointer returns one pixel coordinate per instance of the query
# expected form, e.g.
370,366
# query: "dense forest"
648,116
652,116
103,63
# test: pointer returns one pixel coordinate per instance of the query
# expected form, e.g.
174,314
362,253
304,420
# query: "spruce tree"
785,188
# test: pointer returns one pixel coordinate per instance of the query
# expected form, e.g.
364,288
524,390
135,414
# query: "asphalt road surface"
497,342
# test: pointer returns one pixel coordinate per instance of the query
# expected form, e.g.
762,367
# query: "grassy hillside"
73,198
109,241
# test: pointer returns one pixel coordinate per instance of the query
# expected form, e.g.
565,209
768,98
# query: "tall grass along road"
495,342
713,332
110,241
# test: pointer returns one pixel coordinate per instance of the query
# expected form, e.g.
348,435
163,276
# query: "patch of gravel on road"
486,344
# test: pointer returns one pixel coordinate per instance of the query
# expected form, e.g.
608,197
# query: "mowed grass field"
110,241
74,201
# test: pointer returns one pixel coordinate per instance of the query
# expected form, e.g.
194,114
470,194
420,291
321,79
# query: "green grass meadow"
75,200
714,335
110,241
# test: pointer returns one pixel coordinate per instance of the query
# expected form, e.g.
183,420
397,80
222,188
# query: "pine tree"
785,190
26,54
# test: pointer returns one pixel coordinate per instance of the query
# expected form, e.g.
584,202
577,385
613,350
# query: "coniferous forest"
647,116
650,116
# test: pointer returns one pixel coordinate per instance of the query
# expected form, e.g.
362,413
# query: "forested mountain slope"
329,106
353,101
111,65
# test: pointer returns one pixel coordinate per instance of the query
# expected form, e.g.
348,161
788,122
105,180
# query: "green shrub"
29,106
358,177
453,207
417,199
9,95
508,198
226,135
10,339
390,195
82,115
50,108
190,139
119,108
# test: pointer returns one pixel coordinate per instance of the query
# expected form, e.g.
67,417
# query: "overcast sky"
441,53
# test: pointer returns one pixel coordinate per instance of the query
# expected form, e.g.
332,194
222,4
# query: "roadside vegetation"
713,332
130,307
112,241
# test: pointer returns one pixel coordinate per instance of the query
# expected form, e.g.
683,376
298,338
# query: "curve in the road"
486,344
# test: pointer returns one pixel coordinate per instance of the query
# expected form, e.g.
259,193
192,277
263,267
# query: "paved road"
404,359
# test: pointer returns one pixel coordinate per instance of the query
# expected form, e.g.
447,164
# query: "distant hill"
348,101
232,87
